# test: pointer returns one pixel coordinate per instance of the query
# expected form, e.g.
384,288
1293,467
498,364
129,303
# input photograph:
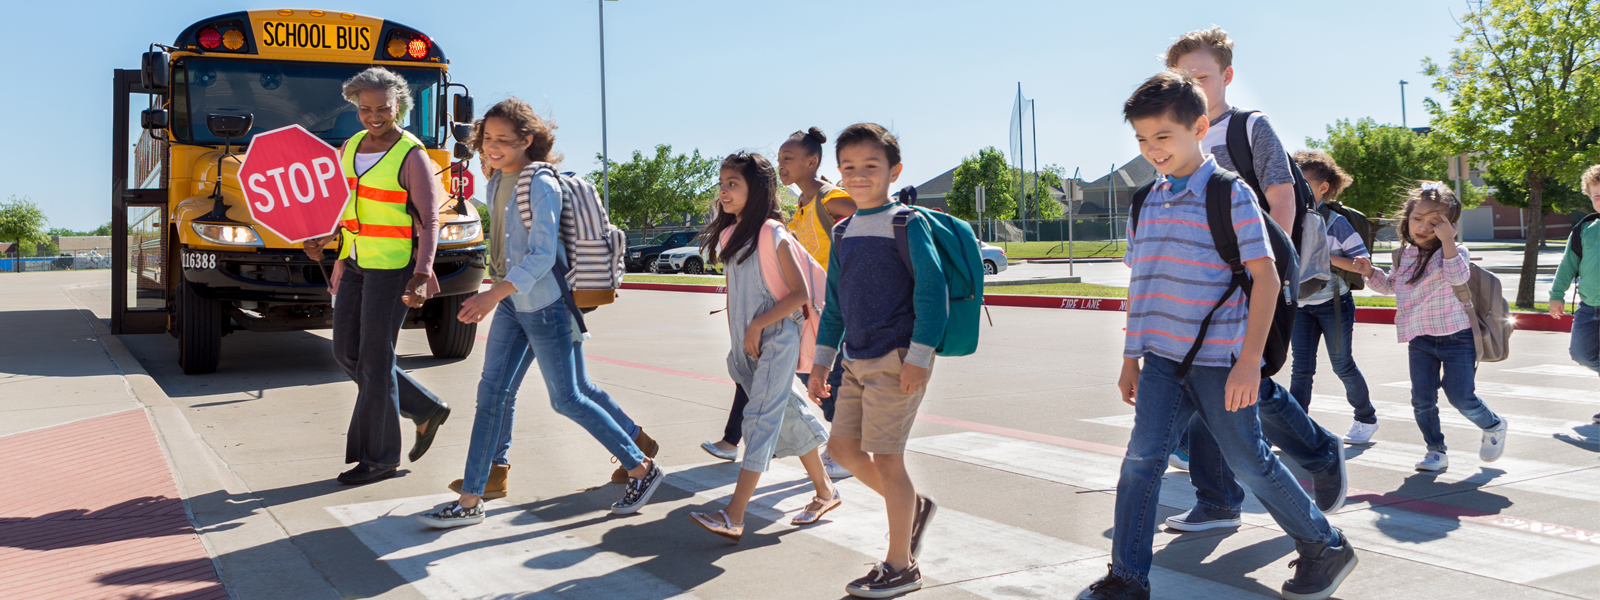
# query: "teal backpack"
963,273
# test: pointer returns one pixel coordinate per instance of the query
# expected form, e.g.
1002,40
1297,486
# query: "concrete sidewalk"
1019,442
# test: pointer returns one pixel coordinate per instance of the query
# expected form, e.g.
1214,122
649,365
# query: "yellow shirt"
808,228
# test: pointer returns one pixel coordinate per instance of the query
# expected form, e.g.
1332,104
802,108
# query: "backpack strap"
902,239
1138,205
819,205
1238,144
1219,219
1575,237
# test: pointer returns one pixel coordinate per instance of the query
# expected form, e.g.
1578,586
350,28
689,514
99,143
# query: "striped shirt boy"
1178,275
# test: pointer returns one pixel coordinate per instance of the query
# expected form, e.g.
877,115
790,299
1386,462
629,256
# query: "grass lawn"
683,279
1059,249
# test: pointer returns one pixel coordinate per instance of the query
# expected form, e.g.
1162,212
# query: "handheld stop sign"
294,184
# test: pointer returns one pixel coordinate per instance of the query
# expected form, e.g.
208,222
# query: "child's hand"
1363,266
1557,308
1444,230
817,385
912,377
752,341
1244,385
1128,383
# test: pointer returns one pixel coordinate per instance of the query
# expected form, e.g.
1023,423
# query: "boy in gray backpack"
1207,55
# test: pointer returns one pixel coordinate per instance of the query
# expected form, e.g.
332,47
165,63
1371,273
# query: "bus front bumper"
290,277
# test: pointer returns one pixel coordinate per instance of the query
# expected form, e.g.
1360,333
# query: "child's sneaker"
639,491
1179,460
1494,442
1434,462
834,470
1328,489
1201,518
1320,569
885,582
452,515
1360,433
1597,417
1113,587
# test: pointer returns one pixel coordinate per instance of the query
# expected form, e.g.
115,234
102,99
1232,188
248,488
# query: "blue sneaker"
1201,518
1179,459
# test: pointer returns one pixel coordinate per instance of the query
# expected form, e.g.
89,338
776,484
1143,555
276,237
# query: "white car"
994,258
686,259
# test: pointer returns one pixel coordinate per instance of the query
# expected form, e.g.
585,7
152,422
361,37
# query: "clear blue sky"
722,75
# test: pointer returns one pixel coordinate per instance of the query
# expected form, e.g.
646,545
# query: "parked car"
683,260
994,258
643,256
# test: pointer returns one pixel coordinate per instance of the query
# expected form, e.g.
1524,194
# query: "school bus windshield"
283,94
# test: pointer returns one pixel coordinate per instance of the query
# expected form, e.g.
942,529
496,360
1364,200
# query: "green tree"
1522,85
62,232
987,168
1383,161
1041,203
22,223
651,190
104,230
1560,196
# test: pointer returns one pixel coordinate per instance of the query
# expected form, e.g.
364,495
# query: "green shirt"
505,187
1586,271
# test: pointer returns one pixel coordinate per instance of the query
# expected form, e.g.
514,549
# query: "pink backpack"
814,276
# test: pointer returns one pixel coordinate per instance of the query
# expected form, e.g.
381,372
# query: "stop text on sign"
297,173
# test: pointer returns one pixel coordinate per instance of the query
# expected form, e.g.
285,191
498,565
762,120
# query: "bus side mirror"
463,108
462,151
461,131
229,126
153,74
153,118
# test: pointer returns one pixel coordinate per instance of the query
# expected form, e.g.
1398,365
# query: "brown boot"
496,488
646,445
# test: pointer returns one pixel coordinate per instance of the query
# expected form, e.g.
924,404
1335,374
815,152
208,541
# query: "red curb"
1364,314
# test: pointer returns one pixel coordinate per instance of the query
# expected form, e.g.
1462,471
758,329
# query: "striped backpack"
595,247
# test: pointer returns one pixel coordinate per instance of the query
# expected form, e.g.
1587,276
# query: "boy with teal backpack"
904,285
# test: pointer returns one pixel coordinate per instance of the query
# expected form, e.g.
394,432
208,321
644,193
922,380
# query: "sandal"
724,527
816,509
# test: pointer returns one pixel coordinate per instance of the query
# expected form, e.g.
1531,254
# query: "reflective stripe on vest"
377,220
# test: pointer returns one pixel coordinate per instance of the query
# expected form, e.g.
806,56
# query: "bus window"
283,94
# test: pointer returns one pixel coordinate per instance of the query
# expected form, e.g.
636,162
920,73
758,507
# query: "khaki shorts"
871,407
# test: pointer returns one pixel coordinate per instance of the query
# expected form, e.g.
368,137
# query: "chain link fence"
77,260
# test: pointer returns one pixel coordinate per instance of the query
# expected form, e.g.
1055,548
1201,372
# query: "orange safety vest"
377,220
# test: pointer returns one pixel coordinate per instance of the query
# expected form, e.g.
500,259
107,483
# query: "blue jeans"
515,341
1317,321
1586,336
1458,357
1284,424
1164,408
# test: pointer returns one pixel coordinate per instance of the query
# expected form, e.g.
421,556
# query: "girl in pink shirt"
1433,322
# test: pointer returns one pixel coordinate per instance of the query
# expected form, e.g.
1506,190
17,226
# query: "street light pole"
605,156
1403,103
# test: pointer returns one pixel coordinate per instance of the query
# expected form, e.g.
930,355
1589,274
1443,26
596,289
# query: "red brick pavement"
90,510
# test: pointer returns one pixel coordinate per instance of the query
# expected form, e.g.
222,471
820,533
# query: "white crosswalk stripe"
1390,413
1561,370
512,553
1530,392
984,557
1568,481
1449,542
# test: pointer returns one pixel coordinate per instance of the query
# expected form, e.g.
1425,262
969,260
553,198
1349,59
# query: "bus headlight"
460,231
227,235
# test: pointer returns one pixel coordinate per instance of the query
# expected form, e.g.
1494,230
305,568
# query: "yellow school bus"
189,261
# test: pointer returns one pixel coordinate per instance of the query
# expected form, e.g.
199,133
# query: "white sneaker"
1360,433
1494,442
1434,462
834,470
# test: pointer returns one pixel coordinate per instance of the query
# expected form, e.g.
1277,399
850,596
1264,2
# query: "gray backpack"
1486,307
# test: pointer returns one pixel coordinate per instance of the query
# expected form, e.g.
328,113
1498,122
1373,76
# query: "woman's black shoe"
431,428
364,474
1114,587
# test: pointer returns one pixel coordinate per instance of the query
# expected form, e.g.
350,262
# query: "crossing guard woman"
388,234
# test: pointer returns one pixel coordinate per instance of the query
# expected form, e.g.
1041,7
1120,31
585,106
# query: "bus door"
141,265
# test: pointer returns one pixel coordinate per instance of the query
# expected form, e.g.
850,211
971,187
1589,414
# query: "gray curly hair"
379,78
